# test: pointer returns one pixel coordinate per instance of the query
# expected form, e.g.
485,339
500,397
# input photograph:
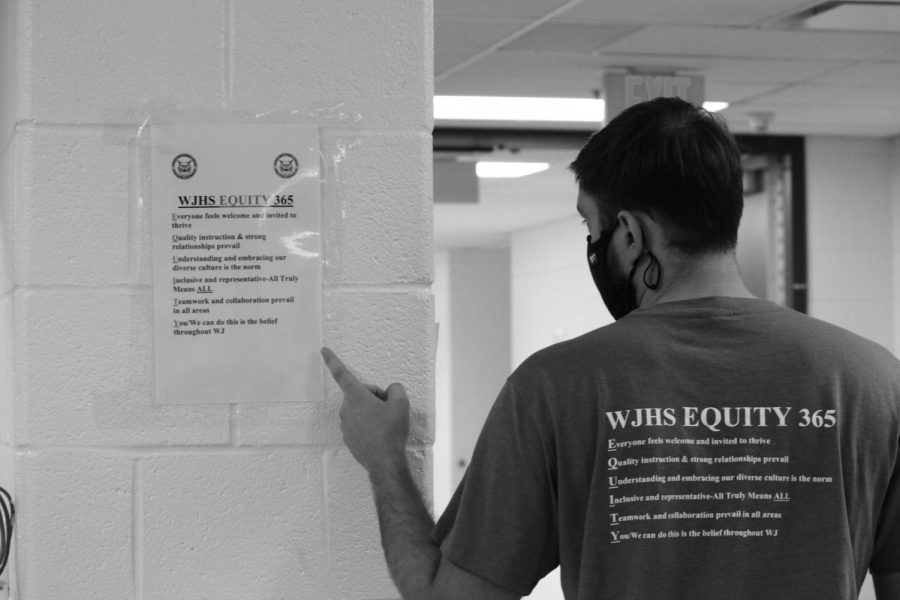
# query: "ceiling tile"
528,9
569,37
747,43
448,58
658,63
736,92
577,74
894,56
473,33
749,67
768,70
856,98
512,64
682,12
522,85
869,73
513,73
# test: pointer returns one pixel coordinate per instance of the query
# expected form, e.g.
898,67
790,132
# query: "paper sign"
236,263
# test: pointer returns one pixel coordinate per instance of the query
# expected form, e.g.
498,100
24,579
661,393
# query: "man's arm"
887,587
414,560
375,424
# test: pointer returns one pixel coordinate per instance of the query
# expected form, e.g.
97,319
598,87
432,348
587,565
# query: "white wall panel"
850,233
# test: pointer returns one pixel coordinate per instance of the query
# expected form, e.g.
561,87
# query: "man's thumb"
396,392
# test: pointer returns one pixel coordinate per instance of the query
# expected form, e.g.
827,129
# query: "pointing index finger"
339,371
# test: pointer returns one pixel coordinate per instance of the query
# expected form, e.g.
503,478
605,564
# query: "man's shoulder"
828,339
761,326
566,359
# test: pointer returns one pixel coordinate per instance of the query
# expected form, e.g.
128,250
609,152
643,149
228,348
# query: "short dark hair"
672,159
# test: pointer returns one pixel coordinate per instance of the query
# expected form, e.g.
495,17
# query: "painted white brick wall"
74,524
120,498
377,194
7,157
8,117
99,390
106,59
350,63
71,185
6,379
262,500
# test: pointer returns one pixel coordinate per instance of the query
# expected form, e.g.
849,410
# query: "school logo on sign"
286,165
184,166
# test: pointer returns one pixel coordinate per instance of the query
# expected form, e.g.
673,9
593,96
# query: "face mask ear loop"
655,285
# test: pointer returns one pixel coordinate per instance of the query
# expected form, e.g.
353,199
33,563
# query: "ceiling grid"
826,82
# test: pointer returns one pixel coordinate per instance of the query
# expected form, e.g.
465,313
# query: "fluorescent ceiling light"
714,106
511,108
486,169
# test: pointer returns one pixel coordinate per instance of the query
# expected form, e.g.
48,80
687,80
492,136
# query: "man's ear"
633,229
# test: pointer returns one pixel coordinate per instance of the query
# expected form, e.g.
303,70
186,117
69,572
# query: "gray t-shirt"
710,448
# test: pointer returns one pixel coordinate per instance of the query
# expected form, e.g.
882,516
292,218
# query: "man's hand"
375,422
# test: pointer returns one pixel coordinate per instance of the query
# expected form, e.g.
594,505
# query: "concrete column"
119,497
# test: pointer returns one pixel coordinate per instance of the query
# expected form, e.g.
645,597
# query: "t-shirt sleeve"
886,554
502,522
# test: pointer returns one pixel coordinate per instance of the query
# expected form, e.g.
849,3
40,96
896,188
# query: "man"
706,445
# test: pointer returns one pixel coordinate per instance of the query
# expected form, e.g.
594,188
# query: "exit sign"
621,90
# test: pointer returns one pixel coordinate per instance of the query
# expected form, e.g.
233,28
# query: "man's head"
673,161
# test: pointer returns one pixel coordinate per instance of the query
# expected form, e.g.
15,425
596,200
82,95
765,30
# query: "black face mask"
618,296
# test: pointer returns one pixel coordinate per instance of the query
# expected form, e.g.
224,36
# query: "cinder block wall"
119,498
7,281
